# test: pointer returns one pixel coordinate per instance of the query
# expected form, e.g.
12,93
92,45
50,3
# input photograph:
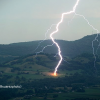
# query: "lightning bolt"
43,49
51,35
57,29
57,26
95,39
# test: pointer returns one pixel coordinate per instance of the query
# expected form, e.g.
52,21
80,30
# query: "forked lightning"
57,26
57,29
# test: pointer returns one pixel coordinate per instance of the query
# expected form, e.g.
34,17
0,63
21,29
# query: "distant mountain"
68,48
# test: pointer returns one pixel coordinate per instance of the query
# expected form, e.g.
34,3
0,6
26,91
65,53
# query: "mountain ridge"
68,48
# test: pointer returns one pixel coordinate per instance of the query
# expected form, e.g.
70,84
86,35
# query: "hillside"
46,63
78,79
68,48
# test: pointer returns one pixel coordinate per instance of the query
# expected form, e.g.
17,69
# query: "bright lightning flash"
59,51
51,74
55,74
57,29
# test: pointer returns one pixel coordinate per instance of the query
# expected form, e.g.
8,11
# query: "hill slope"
68,48
78,79
43,63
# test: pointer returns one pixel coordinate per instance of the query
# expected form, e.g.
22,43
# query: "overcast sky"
28,20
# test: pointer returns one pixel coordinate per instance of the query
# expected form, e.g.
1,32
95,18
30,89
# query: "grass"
26,66
66,72
36,72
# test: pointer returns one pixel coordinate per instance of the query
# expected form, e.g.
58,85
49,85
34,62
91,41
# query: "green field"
73,81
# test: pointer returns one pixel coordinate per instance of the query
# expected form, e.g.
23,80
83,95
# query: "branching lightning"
59,51
44,39
95,39
51,35
44,48
57,29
